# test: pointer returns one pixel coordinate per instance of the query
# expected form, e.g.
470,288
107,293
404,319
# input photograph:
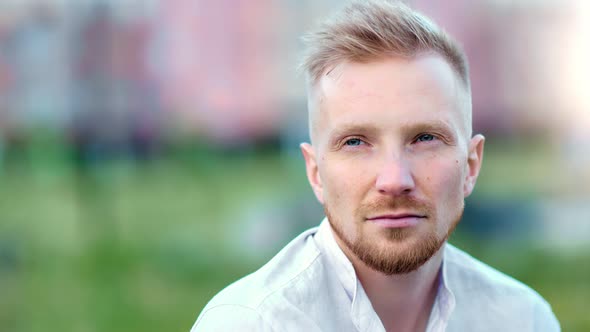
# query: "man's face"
392,160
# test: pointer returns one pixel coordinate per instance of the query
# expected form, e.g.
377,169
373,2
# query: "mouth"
397,220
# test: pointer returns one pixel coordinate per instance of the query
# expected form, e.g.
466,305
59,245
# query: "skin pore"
391,162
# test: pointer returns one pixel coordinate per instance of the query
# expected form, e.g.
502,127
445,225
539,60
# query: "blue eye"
425,138
353,142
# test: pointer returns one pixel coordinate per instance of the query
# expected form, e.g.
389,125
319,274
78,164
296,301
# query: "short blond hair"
371,29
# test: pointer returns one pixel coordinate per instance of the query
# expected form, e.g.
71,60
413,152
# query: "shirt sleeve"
230,318
545,319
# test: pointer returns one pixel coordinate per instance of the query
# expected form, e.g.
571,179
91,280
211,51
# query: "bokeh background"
149,152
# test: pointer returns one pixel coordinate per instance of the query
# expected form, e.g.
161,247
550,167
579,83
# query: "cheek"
441,178
344,182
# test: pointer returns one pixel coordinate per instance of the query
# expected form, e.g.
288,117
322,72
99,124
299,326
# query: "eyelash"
360,141
431,136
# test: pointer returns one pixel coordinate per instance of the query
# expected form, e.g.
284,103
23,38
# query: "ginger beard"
405,249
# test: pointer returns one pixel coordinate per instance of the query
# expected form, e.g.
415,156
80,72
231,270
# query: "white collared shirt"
311,286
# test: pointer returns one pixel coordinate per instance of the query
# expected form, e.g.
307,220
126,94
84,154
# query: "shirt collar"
341,265
361,310
444,303
363,315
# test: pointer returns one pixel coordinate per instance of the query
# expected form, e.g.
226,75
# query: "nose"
395,177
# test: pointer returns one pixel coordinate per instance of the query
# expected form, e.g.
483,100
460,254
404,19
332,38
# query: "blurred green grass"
143,247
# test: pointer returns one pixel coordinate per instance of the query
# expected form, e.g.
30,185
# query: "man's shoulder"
479,288
243,301
230,317
471,274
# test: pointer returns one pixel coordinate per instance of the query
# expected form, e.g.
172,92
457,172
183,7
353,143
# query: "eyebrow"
353,128
435,125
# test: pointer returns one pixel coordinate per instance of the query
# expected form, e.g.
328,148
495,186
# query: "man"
391,160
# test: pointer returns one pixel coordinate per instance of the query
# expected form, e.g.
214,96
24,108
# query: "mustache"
389,204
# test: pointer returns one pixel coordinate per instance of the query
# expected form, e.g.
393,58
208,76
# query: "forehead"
403,89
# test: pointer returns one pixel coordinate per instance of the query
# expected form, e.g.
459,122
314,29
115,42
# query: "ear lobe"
474,160
311,167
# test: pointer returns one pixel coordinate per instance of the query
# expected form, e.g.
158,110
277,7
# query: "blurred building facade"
226,69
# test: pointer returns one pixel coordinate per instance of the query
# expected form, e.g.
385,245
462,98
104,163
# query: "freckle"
457,161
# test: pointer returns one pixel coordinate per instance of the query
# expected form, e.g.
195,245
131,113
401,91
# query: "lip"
397,220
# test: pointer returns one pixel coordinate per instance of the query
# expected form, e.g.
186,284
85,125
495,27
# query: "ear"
313,174
474,160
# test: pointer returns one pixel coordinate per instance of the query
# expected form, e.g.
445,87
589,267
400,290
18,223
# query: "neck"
402,302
